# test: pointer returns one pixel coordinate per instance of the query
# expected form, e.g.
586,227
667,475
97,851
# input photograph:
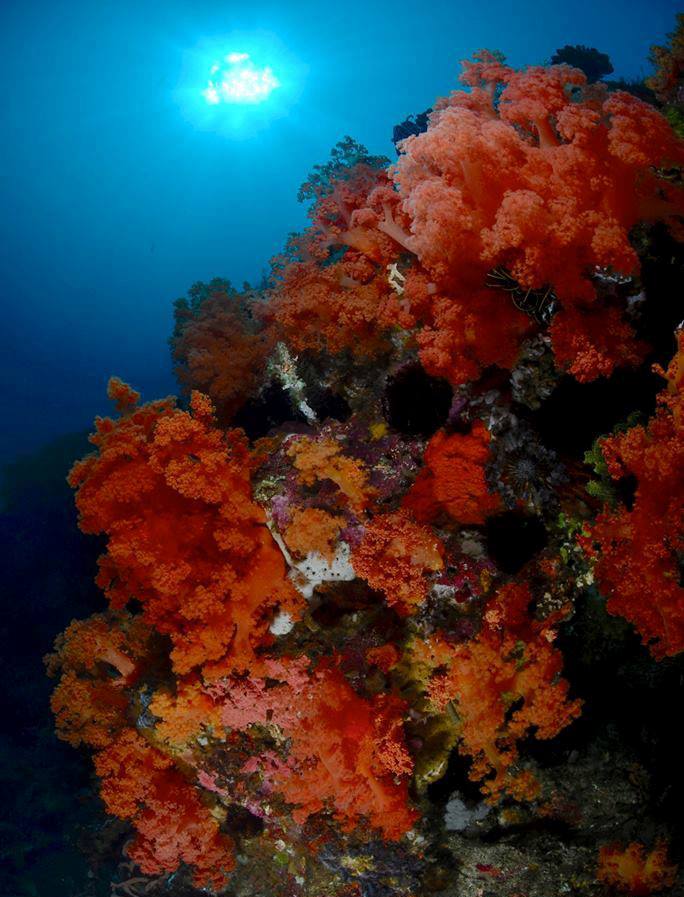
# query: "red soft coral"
637,549
546,185
453,479
394,556
333,308
591,342
346,753
480,193
461,336
185,539
218,347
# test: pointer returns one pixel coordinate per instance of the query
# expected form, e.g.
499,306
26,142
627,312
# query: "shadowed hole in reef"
513,538
239,821
270,409
455,779
414,403
575,414
327,403
134,607
626,488
337,600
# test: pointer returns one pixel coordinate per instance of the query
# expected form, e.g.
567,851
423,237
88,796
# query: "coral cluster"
340,570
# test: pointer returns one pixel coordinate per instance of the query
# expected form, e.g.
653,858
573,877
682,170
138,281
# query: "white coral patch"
282,624
308,574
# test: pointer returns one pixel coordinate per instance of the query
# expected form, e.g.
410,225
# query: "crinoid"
539,304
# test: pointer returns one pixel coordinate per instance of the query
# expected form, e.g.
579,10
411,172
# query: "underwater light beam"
238,80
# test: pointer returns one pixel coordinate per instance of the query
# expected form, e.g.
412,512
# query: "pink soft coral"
347,753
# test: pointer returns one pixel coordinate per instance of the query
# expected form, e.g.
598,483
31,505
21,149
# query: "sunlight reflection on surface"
238,80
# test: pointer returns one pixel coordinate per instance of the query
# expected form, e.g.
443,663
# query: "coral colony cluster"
354,575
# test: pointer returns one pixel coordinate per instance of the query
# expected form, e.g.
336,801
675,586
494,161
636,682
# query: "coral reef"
358,579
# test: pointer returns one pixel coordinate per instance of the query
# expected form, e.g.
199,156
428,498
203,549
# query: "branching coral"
669,66
591,61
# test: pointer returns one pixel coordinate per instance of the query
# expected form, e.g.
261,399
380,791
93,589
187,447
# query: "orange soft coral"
394,556
89,703
313,529
101,638
87,711
185,714
185,539
504,684
453,479
322,459
637,549
172,825
631,870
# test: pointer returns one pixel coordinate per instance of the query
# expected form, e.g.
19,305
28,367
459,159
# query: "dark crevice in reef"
627,693
239,821
455,779
327,404
513,538
576,414
415,403
271,408
625,489
662,273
